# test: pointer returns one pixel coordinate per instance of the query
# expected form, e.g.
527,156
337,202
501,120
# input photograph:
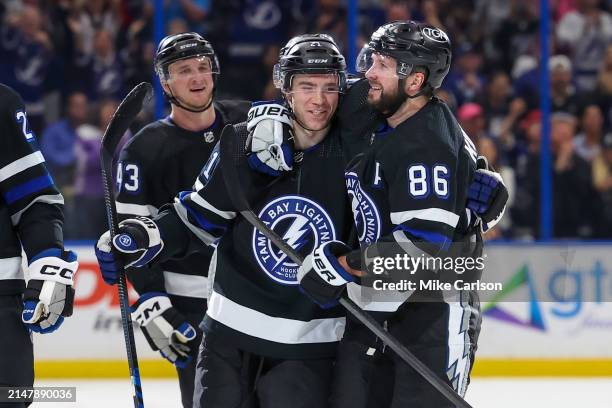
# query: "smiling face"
384,94
314,99
191,82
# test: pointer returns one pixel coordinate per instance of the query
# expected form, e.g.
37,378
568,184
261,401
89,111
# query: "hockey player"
32,220
163,159
260,329
414,181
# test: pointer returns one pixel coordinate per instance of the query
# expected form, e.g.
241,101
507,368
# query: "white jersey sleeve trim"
47,199
179,284
144,210
374,300
196,198
277,329
10,268
428,214
202,235
20,165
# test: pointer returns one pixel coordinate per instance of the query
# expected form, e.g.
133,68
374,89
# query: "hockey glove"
165,329
321,276
138,240
270,143
49,295
487,195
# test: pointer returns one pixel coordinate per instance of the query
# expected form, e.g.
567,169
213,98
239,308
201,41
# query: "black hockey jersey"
154,166
30,203
409,192
256,303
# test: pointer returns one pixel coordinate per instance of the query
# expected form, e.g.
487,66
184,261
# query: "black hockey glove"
321,276
138,240
487,195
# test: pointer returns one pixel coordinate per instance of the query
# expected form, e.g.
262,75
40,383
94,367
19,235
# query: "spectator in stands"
602,181
496,102
465,80
585,33
525,212
604,87
575,203
90,214
57,142
562,91
588,142
472,120
100,71
488,148
26,52
518,34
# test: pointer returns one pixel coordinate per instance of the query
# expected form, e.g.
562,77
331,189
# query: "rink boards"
554,317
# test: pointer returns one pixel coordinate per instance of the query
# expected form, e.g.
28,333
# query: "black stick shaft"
119,124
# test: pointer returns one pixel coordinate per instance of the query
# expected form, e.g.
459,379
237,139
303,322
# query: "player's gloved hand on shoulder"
487,195
270,143
321,276
139,242
165,328
49,295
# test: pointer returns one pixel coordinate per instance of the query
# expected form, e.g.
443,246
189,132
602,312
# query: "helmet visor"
380,64
191,66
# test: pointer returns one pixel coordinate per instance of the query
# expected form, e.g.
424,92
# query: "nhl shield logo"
209,137
365,212
302,223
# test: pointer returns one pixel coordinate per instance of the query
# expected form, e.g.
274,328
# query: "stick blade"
125,114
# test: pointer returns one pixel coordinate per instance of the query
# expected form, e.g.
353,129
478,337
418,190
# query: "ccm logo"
182,47
56,270
318,60
323,272
141,318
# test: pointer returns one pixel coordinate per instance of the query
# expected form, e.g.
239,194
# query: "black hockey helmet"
182,46
411,44
309,54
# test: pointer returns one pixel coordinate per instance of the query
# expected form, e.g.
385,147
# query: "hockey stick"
119,124
232,183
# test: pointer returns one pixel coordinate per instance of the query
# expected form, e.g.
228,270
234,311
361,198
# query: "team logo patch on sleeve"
365,212
302,223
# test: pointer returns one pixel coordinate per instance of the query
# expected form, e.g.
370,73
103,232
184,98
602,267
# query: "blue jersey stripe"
25,189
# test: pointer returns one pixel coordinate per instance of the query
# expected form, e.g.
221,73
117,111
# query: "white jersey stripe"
20,165
196,198
277,329
373,300
136,209
427,214
47,199
179,284
10,268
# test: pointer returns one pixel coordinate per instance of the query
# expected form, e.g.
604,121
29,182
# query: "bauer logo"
435,34
302,223
365,212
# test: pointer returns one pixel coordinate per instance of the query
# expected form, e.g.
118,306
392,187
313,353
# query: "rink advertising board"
553,317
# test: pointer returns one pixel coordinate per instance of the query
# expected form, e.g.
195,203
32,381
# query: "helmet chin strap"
174,100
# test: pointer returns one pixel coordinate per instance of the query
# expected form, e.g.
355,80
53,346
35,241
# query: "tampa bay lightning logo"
365,212
302,223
